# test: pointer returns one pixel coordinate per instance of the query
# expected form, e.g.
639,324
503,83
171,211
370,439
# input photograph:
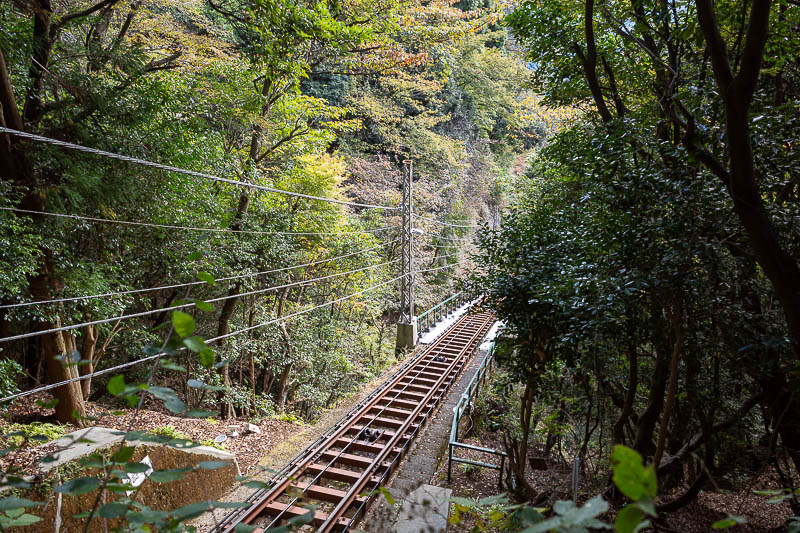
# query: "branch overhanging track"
342,470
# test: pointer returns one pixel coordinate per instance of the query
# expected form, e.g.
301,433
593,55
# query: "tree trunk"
89,343
737,92
282,387
633,383
647,422
676,318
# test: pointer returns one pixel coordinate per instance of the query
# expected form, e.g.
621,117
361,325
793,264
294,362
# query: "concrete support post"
407,334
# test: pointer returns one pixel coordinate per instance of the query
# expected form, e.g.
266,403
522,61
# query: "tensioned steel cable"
208,341
449,238
168,168
434,269
445,223
191,283
186,305
192,228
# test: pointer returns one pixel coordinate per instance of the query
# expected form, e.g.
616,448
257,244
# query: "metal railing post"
450,462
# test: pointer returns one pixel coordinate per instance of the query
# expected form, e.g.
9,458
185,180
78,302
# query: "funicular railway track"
341,471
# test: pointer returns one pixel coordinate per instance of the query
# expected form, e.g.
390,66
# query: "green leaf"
207,357
207,277
175,405
244,528
21,521
125,454
728,522
195,343
170,365
194,256
183,323
628,519
254,484
162,393
231,505
136,468
116,385
166,476
50,404
112,510
193,510
13,502
387,495
630,476
199,413
212,465
203,306
81,485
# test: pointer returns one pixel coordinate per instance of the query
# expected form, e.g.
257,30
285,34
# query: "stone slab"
425,510
84,442
81,443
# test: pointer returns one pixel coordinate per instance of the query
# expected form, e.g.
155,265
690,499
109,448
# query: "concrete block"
407,336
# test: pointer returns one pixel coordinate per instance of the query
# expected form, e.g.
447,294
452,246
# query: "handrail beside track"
439,311
465,406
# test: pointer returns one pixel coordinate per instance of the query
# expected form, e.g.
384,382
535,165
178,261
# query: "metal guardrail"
439,311
464,406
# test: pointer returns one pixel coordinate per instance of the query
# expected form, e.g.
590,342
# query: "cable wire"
435,269
184,306
446,223
203,175
191,283
208,341
191,228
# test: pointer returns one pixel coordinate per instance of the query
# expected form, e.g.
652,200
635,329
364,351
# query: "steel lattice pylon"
407,247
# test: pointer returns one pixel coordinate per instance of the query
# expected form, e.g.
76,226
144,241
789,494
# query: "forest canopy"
648,269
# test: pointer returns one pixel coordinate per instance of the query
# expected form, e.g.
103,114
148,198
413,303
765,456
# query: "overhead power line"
451,239
191,228
435,269
191,283
168,168
184,306
445,223
208,341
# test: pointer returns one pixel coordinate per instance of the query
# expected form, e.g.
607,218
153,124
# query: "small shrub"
37,432
170,431
288,417
10,370
213,444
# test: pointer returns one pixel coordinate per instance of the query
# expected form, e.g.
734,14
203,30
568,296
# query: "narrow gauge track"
341,471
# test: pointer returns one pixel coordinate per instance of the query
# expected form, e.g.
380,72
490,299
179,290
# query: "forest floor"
247,448
710,506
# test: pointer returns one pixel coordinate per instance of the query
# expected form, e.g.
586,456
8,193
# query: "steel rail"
363,427
415,375
410,418
467,349
282,472
281,486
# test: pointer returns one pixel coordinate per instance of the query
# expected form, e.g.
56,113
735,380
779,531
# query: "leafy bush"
38,432
170,431
10,370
